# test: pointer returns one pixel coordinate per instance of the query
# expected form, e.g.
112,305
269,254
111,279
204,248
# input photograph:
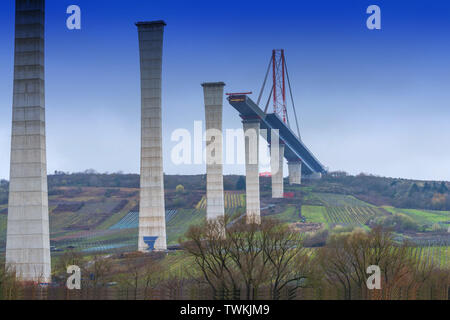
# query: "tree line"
247,262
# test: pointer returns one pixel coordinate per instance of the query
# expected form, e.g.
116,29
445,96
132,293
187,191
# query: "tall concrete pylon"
276,163
295,172
152,221
251,134
213,94
27,240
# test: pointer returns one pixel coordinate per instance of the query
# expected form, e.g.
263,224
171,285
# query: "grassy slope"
318,213
423,217
339,200
178,226
334,200
289,215
177,261
314,214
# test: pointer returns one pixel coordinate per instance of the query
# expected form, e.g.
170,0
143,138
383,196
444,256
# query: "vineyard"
96,241
102,220
123,235
131,220
78,215
350,216
434,255
333,200
231,199
180,223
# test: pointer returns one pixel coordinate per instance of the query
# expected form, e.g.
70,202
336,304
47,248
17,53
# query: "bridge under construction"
295,149
28,241
275,127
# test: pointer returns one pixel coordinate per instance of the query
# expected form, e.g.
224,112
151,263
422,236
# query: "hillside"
99,212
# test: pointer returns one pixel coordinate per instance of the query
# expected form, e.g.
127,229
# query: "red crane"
280,76
279,84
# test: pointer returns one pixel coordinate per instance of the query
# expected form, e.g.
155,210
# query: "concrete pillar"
152,224
251,133
315,176
276,164
213,93
295,172
27,241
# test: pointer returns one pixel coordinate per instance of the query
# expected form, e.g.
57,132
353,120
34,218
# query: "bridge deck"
295,149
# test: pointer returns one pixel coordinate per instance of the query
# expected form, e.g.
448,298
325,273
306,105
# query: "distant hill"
99,212
403,193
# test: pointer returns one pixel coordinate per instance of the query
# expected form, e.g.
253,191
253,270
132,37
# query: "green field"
89,227
423,217
334,200
315,214
351,216
289,215
231,200
178,226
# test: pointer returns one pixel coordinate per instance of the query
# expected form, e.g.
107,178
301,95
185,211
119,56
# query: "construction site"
28,241
155,219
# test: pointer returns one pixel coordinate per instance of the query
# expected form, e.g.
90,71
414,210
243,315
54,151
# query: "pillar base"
295,172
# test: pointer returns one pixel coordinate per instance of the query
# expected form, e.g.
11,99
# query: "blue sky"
374,101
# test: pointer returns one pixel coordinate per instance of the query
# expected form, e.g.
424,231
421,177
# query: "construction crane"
295,149
280,76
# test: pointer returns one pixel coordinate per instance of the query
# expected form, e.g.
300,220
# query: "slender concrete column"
152,223
251,132
213,93
295,172
276,163
27,241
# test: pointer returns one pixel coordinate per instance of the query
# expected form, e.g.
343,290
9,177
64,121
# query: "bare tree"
152,275
248,257
290,264
345,259
97,274
9,285
211,254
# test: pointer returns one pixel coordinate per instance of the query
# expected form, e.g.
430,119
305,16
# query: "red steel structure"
279,83
280,77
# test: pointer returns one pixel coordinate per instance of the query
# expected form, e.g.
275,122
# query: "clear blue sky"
369,101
